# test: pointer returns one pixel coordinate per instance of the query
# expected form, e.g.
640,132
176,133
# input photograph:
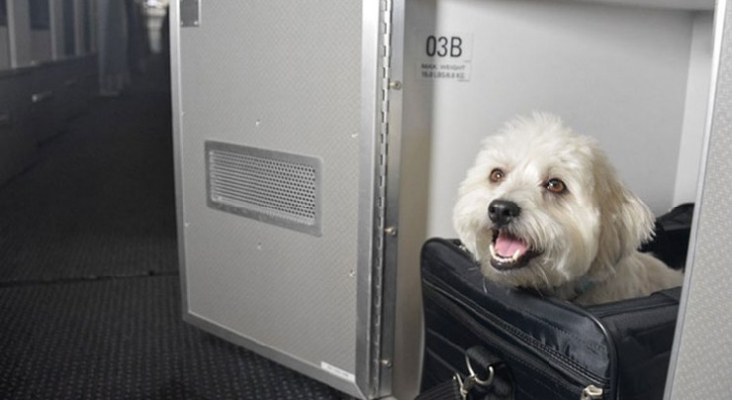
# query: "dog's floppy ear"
466,225
626,222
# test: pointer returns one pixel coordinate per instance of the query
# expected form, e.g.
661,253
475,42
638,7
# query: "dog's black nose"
501,212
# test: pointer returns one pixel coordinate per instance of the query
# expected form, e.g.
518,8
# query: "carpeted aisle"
123,339
89,295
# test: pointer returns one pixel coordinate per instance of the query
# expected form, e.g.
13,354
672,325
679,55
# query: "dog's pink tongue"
506,245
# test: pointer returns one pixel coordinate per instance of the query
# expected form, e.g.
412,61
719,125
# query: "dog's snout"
502,212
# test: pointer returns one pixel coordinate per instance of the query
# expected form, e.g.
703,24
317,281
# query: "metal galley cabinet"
290,184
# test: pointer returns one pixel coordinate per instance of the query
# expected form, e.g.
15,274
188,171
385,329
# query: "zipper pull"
591,392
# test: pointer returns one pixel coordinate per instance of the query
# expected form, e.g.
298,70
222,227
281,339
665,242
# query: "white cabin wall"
613,72
695,111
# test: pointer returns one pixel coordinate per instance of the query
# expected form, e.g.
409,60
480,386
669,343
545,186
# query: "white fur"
591,232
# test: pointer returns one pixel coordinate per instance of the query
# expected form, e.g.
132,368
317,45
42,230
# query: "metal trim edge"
718,37
371,199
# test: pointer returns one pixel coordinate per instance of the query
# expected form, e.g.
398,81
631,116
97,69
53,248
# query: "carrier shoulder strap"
448,390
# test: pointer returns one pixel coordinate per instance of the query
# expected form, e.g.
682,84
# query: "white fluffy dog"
543,207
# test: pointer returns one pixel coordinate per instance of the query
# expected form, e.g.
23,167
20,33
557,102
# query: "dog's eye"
496,175
555,186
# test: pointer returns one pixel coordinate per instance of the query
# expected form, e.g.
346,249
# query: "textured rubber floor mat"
124,339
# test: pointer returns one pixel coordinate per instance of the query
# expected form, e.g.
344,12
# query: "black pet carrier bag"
485,341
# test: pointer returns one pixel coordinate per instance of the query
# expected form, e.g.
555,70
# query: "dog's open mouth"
509,251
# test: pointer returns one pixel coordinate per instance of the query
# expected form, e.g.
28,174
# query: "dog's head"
543,206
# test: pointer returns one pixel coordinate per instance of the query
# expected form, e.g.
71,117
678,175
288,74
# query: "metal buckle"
472,379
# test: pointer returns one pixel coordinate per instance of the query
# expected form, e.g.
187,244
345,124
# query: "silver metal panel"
701,359
278,188
408,182
394,170
371,204
286,77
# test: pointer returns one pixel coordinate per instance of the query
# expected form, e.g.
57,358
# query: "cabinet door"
267,105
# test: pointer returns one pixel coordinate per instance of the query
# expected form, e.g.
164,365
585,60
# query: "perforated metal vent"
278,188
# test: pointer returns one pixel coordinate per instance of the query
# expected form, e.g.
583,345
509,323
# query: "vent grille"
273,187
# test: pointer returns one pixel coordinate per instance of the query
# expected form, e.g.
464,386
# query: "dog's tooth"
515,255
493,251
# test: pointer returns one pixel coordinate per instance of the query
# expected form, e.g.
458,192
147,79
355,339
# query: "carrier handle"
473,379
476,358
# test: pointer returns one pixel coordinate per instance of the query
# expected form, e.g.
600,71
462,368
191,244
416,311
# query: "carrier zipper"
591,392
603,311
512,351
649,303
